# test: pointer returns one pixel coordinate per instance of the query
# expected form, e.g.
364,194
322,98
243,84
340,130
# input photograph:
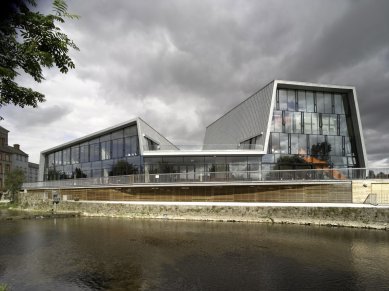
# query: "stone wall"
326,214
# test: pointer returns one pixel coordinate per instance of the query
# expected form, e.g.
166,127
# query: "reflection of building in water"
285,125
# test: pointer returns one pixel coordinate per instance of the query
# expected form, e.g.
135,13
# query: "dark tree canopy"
30,40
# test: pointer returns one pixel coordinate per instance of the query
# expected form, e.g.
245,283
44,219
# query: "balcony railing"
206,147
219,177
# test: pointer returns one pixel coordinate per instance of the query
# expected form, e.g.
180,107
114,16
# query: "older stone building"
12,157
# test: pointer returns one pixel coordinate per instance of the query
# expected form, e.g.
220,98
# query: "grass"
3,287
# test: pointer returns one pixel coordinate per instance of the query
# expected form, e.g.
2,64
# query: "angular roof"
144,130
252,117
12,150
3,129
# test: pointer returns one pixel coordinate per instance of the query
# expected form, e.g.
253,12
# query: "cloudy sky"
181,64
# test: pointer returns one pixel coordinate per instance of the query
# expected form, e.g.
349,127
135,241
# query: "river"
124,254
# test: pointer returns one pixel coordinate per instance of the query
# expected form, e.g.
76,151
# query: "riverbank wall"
330,214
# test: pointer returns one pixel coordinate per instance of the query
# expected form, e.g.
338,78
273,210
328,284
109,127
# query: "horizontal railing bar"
341,174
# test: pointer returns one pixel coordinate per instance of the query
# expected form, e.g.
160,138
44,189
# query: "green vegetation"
13,182
290,162
122,167
30,40
3,287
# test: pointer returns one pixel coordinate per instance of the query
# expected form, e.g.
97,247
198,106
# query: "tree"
290,162
13,182
321,150
29,41
78,173
122,167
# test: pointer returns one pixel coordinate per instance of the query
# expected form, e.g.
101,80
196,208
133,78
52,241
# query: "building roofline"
92,135
285,82
3,129
156,131
11,150
251,96
315,85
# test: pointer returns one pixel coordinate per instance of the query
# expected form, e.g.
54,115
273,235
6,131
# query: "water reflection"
120,254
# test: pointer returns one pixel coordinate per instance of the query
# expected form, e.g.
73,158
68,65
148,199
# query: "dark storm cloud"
28,117
181,64
219,53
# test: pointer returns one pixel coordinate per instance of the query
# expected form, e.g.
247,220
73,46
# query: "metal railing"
221,177
206,147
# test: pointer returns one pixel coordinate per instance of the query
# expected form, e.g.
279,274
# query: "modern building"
285,125
12,157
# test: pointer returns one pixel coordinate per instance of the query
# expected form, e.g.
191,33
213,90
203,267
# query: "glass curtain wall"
310,130
116,153
203,168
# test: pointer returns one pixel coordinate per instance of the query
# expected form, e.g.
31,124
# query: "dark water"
123,254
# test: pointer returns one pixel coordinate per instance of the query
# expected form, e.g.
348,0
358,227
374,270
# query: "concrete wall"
362,188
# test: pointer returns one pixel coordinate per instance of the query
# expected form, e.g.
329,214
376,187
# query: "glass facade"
205,167
111,154
310,129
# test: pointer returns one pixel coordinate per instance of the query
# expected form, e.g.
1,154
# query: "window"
117,148
343,125
106,150
310,101
333,124
315,123
75,154
320,102
325,124
84,153
287,121
130,131
283,99
58,158
307,123
66,156
277,120
294,144
297,122
284,144
327,103
131,146
275,143
151,145
338,104
250,143
337,146
94,152
291,100
301,104
302,146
